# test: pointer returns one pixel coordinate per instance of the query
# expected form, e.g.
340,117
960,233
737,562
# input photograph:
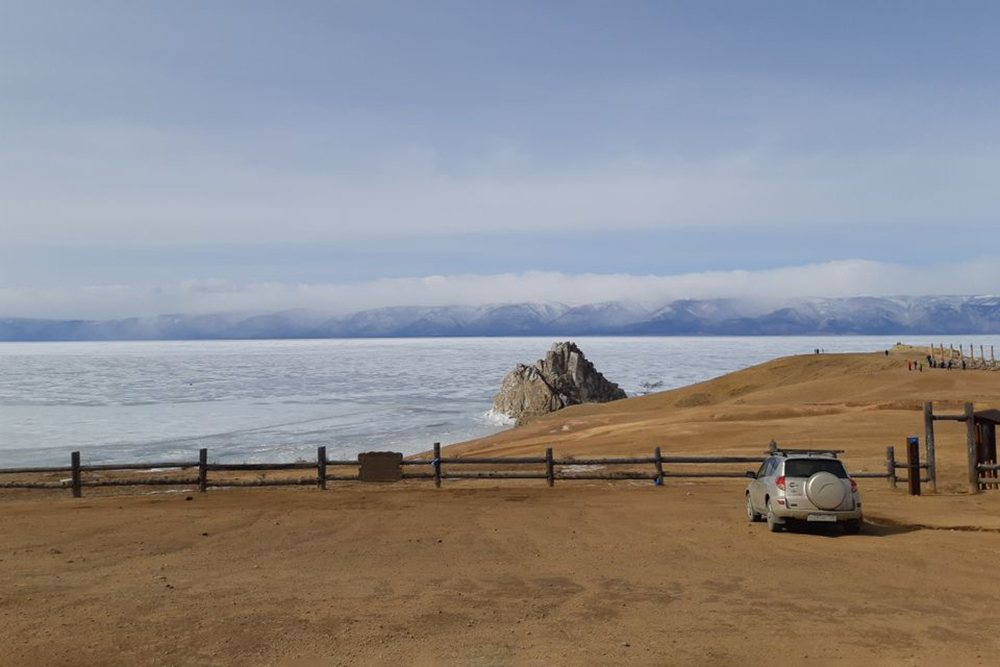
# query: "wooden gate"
981,442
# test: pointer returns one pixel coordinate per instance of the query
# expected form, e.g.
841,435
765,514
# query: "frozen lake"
278,400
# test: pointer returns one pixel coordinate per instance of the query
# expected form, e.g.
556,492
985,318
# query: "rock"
564,377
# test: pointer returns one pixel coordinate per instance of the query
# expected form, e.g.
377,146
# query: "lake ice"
261,401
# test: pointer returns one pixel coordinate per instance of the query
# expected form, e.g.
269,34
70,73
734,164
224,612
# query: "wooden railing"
548,467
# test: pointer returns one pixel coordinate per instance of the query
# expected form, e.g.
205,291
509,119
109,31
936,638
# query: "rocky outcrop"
564,377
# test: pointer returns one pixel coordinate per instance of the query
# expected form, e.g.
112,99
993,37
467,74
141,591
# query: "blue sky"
295,148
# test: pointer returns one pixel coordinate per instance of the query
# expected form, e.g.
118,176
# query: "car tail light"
780,482
854,485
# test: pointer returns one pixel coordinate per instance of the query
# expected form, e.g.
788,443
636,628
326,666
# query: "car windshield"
809,467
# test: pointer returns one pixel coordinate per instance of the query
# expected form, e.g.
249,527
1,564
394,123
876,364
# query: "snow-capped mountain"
854,315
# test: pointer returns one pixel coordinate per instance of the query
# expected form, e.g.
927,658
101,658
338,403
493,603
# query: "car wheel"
772,523
853,527
752,514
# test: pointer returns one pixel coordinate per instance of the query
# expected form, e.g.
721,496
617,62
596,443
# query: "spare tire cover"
825,490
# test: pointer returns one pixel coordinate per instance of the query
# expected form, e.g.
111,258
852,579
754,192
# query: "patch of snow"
497,418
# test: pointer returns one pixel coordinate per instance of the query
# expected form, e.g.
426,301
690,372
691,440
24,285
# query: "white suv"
803,485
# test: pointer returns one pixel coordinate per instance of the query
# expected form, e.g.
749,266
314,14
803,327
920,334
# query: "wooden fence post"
658,455
437,464
970,442
74,459
929,444
203,470
890,465
550,470
913,465
321,467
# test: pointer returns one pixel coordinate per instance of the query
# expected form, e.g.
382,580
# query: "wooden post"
74,460
890,465
437,464
970,443
658,455
913,465
929,445
982,356
203,470
321,468
550,470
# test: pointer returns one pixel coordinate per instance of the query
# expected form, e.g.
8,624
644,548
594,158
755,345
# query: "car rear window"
809,467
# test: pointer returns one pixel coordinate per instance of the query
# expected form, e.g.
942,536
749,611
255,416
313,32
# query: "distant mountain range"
714,317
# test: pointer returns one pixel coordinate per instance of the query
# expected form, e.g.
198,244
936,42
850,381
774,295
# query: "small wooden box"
381,466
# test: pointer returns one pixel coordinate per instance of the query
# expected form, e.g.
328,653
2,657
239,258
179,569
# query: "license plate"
822,517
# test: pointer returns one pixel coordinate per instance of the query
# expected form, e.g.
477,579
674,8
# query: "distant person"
887,353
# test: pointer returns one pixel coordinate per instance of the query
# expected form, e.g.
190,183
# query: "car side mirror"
751,474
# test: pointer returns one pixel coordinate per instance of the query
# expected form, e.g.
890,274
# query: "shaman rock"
564,377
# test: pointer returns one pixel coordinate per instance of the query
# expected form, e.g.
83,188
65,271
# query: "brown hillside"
857,402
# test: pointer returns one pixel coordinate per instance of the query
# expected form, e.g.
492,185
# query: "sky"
194,156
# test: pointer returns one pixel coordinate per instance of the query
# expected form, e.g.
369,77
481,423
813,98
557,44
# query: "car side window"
763,468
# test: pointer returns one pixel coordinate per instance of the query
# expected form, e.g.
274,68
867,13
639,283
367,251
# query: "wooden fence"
548,467
980,443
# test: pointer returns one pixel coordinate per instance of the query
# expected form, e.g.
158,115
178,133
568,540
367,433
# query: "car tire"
853,527
752,514
772,523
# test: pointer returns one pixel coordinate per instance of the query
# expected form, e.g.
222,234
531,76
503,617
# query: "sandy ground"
621,574
515,573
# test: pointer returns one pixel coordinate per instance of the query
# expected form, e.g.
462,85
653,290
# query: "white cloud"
86,184
839,278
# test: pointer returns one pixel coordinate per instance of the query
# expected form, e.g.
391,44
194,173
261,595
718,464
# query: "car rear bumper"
785,514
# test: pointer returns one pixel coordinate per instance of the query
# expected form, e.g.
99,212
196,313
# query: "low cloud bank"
830,279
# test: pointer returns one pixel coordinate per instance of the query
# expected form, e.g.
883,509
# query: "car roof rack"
774,450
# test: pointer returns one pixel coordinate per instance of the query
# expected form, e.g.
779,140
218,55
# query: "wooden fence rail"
987,475
553,469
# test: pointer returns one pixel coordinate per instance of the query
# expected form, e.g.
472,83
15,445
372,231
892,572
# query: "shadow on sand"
877,528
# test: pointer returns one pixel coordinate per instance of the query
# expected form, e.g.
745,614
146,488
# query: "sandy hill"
857,402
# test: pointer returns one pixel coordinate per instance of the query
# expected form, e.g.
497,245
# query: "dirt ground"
515,573
605,574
